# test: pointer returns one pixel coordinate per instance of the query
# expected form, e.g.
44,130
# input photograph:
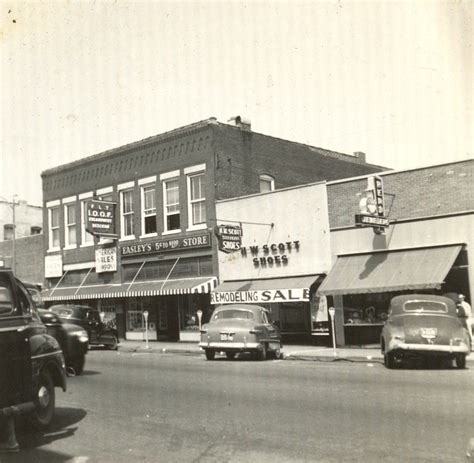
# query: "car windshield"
6,301
62,312
425,307
233,313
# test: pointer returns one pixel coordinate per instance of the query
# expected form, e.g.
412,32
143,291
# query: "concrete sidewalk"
368,354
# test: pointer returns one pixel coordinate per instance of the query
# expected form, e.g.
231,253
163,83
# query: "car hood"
436,329
71,328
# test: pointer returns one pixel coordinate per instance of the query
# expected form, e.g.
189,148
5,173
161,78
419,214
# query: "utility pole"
14,234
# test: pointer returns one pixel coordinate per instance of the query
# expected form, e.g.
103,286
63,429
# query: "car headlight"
81,335
399,337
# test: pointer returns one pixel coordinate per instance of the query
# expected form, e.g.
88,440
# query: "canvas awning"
136,289
264,291
378,272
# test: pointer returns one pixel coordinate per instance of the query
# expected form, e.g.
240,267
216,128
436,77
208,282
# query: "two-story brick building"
165,188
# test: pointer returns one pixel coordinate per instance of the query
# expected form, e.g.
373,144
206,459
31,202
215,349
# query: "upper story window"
196,201
171,205
53,224
35,230
267,183
87,238
70,237
148,213
126,213
8,232
105,194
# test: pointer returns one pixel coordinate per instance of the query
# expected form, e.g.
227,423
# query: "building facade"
164,188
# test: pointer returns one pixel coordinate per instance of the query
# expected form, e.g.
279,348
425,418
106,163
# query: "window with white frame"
148,209
171,205
104,196
196,200
70,237
53,221
87,238
126,213
267,183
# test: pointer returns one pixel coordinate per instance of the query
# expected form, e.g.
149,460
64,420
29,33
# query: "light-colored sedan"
241,328
421,325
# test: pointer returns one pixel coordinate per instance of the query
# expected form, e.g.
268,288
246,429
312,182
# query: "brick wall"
424,192
29,257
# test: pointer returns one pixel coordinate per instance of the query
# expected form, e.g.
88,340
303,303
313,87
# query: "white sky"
392,79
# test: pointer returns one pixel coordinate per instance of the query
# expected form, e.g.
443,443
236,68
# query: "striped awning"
199,285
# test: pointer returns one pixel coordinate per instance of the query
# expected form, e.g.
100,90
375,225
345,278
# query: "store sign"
100,217
175,244
271,254
372,207
260,296
106,260
53,266
229,237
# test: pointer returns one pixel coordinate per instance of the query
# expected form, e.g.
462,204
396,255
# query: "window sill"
70,246
149,235
171,232
86,245
127,238
53,250
201,226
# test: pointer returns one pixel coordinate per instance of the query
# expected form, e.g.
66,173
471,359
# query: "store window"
53,224
171,206
126,209
148,195
197,201
366,309
267,183
70,237
87,238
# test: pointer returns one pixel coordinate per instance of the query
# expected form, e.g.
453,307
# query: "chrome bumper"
448,349
230,345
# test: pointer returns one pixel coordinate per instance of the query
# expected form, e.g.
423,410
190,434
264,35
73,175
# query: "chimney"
241,122
360,156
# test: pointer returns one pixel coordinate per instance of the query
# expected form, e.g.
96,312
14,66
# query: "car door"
16,379
271,330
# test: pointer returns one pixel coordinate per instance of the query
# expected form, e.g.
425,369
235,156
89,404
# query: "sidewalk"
368,354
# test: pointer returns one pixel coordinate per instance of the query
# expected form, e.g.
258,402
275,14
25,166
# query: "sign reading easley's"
100,216
229,237
372,207
151,247
106,260
259,296
53,266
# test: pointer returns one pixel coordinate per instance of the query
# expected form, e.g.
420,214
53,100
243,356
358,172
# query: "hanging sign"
106,260
229,237
53,266
372,207
100,217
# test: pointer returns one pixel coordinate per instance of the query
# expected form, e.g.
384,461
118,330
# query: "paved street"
181,408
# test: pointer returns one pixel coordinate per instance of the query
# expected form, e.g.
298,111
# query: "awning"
137,289
264,291
408,269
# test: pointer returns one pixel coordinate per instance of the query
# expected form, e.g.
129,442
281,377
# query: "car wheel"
461,361
45,401
276,354
230,355
113,345
210,354
389,360
77,364
262,354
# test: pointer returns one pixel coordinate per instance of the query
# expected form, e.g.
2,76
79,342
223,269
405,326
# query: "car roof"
71,306
399,301
252,307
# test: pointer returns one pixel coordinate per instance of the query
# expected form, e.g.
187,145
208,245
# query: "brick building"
165,188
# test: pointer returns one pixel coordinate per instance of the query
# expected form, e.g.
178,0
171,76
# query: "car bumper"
429,348
230,345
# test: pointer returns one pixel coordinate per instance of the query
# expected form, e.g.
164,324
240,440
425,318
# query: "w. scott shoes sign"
100,217
229,237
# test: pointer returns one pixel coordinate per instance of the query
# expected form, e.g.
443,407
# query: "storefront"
274,250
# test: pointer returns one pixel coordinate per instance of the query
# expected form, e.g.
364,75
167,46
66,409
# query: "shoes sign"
229,237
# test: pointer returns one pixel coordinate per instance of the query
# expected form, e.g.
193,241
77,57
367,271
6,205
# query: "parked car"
73,339
420,325
31,361
88,318
240,328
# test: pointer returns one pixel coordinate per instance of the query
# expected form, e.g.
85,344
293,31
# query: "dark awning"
136,289
260,291
377,272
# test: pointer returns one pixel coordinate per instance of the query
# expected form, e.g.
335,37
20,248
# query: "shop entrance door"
168,319
294,321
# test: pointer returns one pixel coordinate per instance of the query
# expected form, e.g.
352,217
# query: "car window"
265,317
6,299
425,307
234,313
62,312
93,316
27,305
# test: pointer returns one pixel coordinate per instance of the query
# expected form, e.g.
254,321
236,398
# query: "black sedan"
73,340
